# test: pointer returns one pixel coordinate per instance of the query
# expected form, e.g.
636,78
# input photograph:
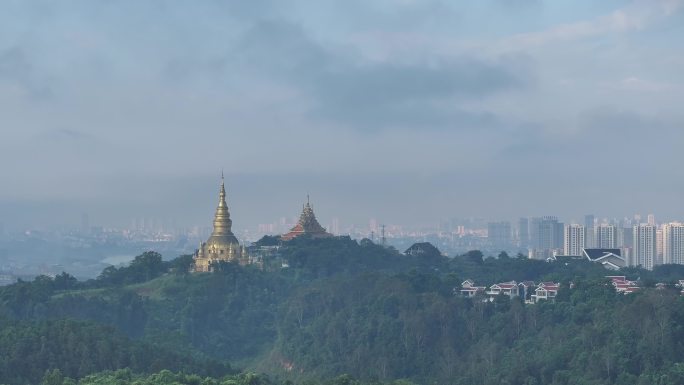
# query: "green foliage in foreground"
405,326
28,349
343,307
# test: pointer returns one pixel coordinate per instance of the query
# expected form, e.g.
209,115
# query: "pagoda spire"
222,222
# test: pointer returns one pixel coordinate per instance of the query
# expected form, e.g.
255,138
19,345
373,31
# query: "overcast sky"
406,111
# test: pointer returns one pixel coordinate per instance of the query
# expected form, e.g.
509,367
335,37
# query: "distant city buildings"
626,239
523,233
499,234
645,250
659,246
546,237
673,243
605,237
574,241
589,223
7,279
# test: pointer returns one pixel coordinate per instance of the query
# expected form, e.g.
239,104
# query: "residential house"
469,289
545,291
506,288
680,285
622,284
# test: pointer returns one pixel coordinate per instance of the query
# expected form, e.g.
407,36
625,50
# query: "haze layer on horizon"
405,111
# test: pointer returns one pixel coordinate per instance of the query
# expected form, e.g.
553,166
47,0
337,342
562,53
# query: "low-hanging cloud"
363,93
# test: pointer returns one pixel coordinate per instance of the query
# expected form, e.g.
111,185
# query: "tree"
64,281
475,256
53,377
182,265
146,266
268,240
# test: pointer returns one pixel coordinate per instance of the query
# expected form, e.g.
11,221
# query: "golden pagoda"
307,225
222,245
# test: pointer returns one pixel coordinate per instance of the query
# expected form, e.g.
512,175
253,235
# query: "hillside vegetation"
342,311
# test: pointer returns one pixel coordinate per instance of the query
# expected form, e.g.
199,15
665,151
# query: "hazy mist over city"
341,192
410,112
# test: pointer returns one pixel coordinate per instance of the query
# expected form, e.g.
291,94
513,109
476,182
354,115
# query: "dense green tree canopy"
344,312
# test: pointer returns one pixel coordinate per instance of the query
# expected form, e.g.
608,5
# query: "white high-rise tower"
673,243
606,237
573,240
645,252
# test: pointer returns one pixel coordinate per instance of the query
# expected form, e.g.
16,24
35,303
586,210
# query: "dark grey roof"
595,254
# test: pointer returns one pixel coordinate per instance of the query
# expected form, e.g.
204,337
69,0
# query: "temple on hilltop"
222,245
307,225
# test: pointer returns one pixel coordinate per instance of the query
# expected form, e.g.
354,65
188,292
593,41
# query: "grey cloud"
617,122
16,68
281,48
519,4
372,116
396,16
389,83
351,90
14,65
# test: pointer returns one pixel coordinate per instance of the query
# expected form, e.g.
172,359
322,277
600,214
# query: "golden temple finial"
222,192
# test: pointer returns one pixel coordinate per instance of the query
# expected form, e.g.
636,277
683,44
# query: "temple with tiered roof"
307,225
222,245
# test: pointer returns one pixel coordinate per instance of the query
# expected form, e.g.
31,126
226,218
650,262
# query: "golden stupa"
222,245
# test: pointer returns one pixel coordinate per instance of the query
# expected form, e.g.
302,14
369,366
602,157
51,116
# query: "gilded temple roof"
307,224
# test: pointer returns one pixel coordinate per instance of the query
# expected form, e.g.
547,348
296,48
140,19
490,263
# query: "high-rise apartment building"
606,237
659,246
523,233
534,226
673,243
499,234
546,236
551,233
574,241
589,230
645,253
626,237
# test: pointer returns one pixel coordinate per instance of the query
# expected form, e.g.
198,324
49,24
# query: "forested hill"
342,308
